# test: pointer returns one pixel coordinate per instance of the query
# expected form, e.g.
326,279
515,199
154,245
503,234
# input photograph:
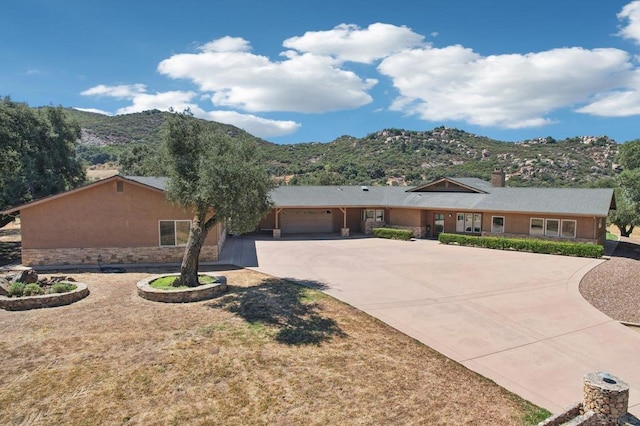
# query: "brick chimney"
498,178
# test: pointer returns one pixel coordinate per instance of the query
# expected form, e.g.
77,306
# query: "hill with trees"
387,157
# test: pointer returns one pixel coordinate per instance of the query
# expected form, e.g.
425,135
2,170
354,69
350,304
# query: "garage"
301,221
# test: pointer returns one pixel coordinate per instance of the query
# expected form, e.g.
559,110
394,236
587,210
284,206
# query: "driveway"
516,318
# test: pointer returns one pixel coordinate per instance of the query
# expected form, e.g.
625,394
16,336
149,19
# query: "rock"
4,287
27,276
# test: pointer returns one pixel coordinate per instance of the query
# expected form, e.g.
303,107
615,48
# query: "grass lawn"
612,237
267,352
166,283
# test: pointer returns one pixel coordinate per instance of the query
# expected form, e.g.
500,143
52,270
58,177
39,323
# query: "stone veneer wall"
111,255
368,225
44,300
540,237
605,402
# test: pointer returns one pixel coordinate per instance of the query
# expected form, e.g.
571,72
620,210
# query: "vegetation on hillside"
386,157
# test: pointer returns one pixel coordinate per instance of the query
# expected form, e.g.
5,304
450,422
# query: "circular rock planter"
44,300
195,294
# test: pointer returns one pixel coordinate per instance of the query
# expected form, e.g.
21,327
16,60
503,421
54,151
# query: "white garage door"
306,221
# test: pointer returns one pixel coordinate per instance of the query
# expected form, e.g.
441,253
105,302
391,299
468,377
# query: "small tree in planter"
217,178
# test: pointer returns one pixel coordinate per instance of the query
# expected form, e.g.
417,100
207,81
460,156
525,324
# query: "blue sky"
307,71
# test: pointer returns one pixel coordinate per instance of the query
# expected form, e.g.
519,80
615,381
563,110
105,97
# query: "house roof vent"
364,188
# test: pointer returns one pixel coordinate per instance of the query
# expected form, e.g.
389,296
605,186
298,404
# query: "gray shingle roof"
568,201
573,201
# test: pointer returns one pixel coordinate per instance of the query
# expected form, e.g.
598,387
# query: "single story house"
118,220
455,205
127,219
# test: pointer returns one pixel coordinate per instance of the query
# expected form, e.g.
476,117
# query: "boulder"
27,276
4,287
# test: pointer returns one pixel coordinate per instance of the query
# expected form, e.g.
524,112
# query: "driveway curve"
515,318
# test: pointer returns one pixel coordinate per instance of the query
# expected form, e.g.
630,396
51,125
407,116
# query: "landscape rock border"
195,294
52,300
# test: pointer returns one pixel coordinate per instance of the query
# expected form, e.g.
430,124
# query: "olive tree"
218,179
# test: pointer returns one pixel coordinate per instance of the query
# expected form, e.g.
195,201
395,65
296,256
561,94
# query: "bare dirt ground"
267,352
613,287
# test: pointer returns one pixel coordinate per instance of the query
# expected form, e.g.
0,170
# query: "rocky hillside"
390,156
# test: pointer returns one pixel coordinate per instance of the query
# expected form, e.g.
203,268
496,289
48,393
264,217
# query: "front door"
438,224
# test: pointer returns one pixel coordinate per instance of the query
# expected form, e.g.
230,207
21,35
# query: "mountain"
386,157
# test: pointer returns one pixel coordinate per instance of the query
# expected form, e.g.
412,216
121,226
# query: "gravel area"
614,286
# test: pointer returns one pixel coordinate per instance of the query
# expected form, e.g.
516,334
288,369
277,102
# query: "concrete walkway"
516,318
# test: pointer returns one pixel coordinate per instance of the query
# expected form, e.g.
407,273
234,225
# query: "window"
371,214
497,224
536,226
477,223
469,222
174,232
565,228
552,228
568,229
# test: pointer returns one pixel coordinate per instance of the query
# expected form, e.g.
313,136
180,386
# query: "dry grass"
267,352
97,173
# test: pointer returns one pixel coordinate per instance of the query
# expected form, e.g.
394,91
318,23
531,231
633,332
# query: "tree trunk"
625,231
190,260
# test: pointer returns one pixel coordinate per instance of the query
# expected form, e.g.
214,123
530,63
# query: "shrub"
526,244
32,289
393,234
16,289
62,288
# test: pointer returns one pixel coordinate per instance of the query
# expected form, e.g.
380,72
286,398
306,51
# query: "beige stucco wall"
587,228
404,217
99,216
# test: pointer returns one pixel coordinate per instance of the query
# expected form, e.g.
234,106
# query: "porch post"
344,231
276,230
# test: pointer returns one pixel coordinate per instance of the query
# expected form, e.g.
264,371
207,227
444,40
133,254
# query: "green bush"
32,289
16,289
393,234
525,244
62,288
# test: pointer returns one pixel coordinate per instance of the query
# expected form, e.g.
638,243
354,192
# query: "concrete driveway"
516,318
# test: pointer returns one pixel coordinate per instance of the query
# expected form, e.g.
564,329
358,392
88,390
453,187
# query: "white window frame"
175,233
575,228
541,233
548,233
493,225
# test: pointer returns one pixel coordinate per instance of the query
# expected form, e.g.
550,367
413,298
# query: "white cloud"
180,101
124,91
227,44
617,103
93,110
238,79
177,100
257,126
351,43
512,91
631,14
